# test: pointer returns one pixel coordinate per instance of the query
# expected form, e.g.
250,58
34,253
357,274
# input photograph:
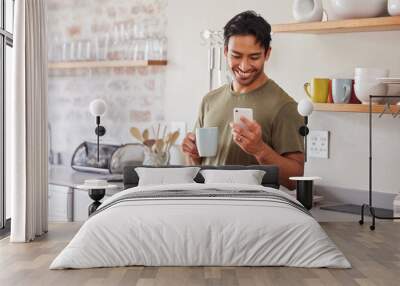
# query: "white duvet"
200,231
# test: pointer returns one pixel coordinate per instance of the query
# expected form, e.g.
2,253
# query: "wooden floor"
375,257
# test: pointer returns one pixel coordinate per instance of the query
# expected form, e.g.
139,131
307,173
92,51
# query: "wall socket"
318,144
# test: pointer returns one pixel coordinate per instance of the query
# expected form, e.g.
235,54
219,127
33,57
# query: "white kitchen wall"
295,59
134,96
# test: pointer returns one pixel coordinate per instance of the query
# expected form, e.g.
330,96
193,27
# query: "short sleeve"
285,130
200,117
200,120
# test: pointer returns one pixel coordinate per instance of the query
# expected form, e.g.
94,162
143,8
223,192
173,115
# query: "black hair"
249,23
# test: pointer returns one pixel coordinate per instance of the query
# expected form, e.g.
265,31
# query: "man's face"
246,58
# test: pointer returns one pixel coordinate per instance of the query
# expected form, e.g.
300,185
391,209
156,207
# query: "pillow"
248,177
162,176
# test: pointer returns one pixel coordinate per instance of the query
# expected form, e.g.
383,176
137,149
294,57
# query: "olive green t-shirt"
273,109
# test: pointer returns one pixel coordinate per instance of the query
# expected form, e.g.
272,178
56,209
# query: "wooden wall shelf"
105,64
359,108
341,26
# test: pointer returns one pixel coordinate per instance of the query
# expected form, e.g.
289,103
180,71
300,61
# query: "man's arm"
249,139
189,147
290,164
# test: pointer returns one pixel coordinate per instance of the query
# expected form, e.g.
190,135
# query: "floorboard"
375,257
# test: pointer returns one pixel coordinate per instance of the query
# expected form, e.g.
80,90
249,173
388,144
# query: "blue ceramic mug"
341,90
207,141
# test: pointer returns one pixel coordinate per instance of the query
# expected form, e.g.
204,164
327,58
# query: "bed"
198,224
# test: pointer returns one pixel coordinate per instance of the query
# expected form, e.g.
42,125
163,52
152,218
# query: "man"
273,136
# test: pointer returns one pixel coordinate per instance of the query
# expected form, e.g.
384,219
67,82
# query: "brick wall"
79,30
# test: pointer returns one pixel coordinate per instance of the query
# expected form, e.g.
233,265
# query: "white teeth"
243,74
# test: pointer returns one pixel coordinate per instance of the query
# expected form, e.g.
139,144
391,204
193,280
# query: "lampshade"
305,107
97,107
206,34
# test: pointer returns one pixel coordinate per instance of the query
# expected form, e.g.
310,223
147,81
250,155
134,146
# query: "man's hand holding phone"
247,133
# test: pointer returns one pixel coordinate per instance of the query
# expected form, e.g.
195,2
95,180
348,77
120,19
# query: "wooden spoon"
164,132
158,131
145,134
159,145
149,142
174,137
154,148
166,142
136,133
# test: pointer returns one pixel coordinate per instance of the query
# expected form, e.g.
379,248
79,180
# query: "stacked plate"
351,9
389,80
393,84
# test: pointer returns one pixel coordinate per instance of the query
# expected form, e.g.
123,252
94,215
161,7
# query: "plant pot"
155,159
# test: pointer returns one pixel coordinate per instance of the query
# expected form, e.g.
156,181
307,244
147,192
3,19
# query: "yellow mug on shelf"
317,90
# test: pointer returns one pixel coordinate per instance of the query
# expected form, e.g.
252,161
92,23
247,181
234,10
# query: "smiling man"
273,136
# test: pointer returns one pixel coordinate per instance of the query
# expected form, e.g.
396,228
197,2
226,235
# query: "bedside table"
96,191
67,202
304,190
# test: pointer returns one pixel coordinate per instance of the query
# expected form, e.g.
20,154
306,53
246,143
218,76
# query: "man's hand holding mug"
189,148
202,144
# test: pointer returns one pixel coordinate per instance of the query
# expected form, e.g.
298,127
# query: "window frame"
6,39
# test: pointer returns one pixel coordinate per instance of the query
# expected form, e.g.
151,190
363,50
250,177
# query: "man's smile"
244,75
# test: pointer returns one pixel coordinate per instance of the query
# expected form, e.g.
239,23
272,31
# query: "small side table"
96,193
304,190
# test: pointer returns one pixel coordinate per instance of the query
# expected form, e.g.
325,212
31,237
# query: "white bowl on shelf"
370,72
370,79
394,7
350,9
366,80
307,10
364,89
394,89
369,76
389,80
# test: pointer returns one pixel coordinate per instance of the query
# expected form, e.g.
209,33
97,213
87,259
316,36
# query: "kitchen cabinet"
81,204
69,204
60,203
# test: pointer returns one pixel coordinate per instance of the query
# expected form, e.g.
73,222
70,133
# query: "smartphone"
245,112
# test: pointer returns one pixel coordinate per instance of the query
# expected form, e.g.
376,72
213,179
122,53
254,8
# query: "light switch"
318,144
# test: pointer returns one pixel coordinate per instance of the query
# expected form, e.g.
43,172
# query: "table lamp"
304,188
305,108
97,108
